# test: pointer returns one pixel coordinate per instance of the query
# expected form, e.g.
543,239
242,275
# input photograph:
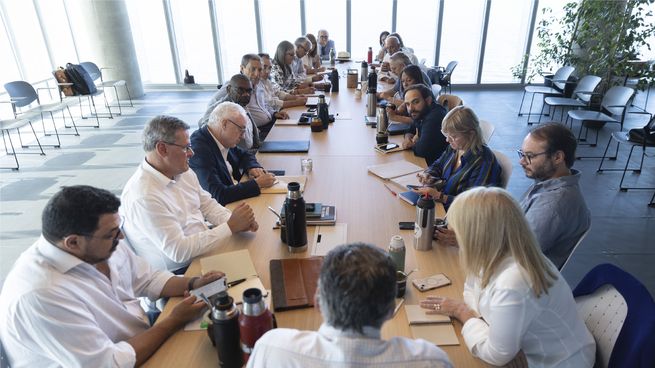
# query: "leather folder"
284,146
294,282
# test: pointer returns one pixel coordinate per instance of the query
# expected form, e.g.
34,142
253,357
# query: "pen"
235,282
398,306
391,190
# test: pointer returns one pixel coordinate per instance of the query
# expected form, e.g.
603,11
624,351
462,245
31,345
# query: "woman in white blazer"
514,297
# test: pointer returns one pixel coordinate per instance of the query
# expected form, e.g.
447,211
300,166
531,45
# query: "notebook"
294,282
405,180
236,265
284,146
435,328
394,169
313,101
410,197
281,185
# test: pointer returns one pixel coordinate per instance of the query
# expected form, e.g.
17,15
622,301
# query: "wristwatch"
191,281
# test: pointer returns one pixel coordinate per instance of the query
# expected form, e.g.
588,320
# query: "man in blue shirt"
325,44
425,137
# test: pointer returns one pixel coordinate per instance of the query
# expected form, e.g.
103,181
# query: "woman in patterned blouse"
466,163
281,70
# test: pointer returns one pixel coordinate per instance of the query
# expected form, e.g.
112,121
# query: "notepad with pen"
239,271
435,328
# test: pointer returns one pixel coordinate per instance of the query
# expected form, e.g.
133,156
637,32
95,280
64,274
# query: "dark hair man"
424,137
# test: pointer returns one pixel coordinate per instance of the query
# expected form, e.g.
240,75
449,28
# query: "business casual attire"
251,139
219,169
477,169
330,347
431,143
262,114
312,62
547,328
165,218
298,70
324,51
57,310
273,94
286,81
558,215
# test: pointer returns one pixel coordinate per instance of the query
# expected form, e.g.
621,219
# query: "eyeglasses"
529,156
450,136
241,90
186,148
119,231
323,36
242,130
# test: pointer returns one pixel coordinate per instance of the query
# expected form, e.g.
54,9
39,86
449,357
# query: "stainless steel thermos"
295,219
224,331
255,320
424,226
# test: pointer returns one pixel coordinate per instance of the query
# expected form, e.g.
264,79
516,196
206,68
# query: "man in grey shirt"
553,205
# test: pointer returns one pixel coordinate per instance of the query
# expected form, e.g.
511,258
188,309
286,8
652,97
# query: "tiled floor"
623,226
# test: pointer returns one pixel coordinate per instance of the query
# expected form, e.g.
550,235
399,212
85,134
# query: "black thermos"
334,80
224,331
372,81
295,219
323,111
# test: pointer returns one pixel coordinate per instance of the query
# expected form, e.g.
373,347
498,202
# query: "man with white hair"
220,164
325,44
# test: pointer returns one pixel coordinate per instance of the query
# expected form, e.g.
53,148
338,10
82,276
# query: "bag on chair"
645,135
82,82
62,78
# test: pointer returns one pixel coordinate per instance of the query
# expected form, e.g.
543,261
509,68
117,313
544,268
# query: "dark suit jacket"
208,164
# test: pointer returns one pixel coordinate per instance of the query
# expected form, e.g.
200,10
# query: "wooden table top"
339,177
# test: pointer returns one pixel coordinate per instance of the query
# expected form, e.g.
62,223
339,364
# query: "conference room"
169,57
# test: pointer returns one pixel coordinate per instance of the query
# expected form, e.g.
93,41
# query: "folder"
284,146
394,169
294,282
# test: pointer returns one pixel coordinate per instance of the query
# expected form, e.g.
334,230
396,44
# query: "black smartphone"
406,225
388,146
276,172
410,186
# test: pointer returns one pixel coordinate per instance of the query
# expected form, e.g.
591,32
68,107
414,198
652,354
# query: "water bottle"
333,57
369,57
371,98
224,331
295,219
382,119
323,112
373,80
255,320
424,226
363,71
334,80
397,252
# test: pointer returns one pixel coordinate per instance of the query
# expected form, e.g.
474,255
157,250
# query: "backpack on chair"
62,79
82,82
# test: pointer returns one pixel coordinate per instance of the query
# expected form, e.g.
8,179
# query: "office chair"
559,81
581,96
96,73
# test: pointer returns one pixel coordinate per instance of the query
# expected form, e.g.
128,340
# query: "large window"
149,30
194,40
62,47
554,9
506,38
461,36
7,61
331,16
417,25
280,21
368,21
237,31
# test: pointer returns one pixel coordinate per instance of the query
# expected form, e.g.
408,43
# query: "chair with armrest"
96,73
446,78
6,126
613,108
577,244
449,101
487,130
641,69
558,84
620,314
23,95
506,166
581,96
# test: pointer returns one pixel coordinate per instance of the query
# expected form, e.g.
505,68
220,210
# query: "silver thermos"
363,72
424,226
382,119
371,98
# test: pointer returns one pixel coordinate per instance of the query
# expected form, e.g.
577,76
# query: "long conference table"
341,155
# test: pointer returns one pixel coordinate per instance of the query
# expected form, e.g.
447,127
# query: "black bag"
82,82
435,74
645,135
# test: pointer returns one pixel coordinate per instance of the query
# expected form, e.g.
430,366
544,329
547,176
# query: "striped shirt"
477,169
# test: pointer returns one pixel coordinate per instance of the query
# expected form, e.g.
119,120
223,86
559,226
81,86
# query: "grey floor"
621,226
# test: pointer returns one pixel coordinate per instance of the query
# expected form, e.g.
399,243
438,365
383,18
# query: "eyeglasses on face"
186,148
323,36
528,156
241,90
242,130
111,237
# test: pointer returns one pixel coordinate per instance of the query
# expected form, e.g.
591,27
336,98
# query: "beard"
541,173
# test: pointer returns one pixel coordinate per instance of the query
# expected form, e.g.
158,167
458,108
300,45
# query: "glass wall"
331,16
461,39
280,21
368,21
416,24
237,33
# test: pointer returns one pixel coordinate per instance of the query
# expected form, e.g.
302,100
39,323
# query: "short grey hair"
357,287
161,128
225,110
400,57
248,57
304,42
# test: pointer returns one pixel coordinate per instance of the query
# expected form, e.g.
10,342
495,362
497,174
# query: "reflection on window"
644,52
331,16
280,21
506,38
153,50
25,26
7,62
369,19
53,16
557,7
238,33
193,35
461,36
417,25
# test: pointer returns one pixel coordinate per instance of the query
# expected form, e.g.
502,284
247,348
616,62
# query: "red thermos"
370,55
255,320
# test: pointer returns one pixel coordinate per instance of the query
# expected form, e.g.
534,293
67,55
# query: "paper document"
394,169
236,265
282,182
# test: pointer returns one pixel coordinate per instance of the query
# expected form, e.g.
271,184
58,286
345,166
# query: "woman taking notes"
514,297
466,163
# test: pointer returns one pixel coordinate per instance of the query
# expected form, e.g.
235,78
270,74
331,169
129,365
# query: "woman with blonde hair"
467,162
514,297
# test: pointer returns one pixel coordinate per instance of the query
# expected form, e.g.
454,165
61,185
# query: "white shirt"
59,311
274,95
330,347
165,218
548,329
261,113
